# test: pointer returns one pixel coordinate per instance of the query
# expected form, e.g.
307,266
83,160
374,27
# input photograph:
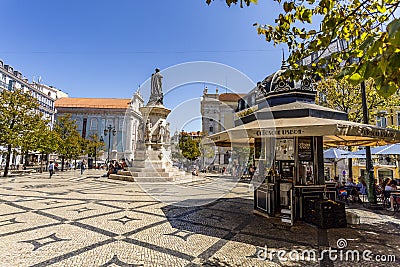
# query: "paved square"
75,220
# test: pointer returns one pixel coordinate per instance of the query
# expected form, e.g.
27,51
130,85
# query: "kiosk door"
266,198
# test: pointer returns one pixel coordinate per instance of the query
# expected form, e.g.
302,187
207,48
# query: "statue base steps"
151,175
121,177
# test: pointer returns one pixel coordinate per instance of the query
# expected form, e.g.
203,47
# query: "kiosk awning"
334,132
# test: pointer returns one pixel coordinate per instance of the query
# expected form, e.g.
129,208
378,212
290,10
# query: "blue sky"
97,48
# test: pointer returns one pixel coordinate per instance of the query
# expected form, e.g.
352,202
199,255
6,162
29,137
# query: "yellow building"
384,167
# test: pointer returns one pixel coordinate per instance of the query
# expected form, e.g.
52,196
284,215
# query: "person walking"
82,166
51,168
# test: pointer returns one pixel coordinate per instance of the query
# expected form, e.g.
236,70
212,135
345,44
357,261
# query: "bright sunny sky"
97,48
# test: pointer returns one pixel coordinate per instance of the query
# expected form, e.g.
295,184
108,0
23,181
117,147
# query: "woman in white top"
392,186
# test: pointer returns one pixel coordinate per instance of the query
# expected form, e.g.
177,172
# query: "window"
381,121
93,124
84,128
398,118
211,129
79,123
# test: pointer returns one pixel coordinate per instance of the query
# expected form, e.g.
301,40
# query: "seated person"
392,186
350,182
111,169
362,185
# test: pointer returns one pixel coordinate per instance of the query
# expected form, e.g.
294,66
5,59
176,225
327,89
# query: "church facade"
94,115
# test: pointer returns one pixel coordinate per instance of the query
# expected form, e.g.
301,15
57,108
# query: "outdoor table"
395,193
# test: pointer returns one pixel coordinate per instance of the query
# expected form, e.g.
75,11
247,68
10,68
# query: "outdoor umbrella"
393,149
360,154
334,153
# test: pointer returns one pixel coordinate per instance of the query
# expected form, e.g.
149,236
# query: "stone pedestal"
152,156
156,115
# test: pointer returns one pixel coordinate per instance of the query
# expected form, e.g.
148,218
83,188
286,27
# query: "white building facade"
217,111
11,79
94,115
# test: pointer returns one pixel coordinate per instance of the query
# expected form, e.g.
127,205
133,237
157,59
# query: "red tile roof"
108,103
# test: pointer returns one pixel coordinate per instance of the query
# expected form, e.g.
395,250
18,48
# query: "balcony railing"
4,85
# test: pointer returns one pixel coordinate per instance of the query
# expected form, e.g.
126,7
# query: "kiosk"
288,132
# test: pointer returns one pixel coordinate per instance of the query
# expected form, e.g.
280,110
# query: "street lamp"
369,167
108,131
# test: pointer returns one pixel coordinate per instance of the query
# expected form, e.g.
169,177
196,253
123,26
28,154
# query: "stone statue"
140,131
161,132
156,96
148,131
167,133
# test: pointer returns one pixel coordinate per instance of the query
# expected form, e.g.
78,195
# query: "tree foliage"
70,143
189,147
367,29
18,119
94,144
343,96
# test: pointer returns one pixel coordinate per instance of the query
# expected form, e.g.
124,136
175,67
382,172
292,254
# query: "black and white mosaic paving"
75,220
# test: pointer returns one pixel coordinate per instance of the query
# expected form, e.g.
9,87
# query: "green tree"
368,28
70,141
189,147
33,138
46,143
342,95
94,145
18,118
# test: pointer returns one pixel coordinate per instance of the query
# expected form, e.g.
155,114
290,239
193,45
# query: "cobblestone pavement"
75,220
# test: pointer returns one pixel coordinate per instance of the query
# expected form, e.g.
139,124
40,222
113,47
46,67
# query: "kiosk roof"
334,132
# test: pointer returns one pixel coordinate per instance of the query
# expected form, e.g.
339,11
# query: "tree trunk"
47,162
350,165
95,163
62,163
26,158
41,163
8,157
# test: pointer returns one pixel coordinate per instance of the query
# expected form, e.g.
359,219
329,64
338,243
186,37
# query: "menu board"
305,149
284,149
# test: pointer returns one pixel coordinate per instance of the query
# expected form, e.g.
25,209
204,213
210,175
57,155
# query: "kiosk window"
287,170
306,172
284,149
305,149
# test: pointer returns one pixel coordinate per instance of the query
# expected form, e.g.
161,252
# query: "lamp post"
369,167
108,131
